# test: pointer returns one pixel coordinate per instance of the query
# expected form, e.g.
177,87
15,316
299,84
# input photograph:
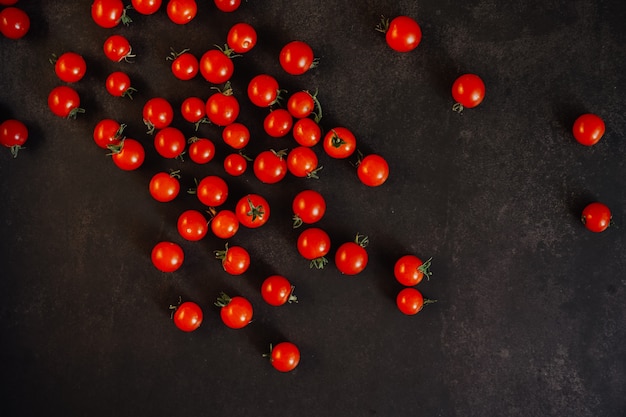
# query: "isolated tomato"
313,244
596,217
201,150
14,22
157,114
165,186
118,85
185,65
410,301
109,13
187,316
285,356
278,123
351,257
128,155
146,7
227,5
235,259
409,270
69,67
252,211
276,290
117,48
339,143
308,206
307,132
468,91
222,108
216,65
235,312
235,164
167,256
181,11
263,90
212,191
588,129
192,225
64,101
13,134
241,37
108,132
302,162
373,170
270,166
402,34
224,224
296,58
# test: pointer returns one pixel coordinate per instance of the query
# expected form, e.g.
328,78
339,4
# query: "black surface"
530,318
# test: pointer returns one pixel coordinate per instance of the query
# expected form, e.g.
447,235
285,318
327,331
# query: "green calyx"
318,263
425,269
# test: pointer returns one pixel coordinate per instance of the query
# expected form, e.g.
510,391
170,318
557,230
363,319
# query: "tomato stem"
297,221
318,263
15,149
361,240
292,297
173,55
425,269
336,141
457,107
125,19
223,300
383,25
129,92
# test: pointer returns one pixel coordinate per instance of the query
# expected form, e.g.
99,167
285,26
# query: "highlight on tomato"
314,244
70,67
410,301
468,91
276,290
402,33
588,129
596,217
241,37
167,256
187,316
409,270
309,206
351,257
14,22
236,312
372,170
284,356
296,58
13,134
235,259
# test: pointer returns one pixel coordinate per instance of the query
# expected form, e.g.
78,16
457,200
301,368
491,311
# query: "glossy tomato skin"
301,104
241,37
588,129
235,312
108,13
314,244
468,90
157,114
235,164
13,134
108,132
339,143
409,270
117,48
403,34
146,7
70,67
167,256
351,258
227,5
278,123
309,206
216,66
222,109
201,150
373,170
212,191
235,259
285,356
270,166
307,132
192,225
128,155
252,211
296,57
118,85
164,187
302,162
596,217
188,316
236,135
263,90
224,224
193,110
181,12
185,65
276,290
64,102
14,23
410,301
170,142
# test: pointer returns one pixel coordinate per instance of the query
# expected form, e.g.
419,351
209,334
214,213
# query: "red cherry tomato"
278,123
373,170
351,257
167,256
588,129
185,65
118,85
308,207
276,290
235,259
157,114
222,108
169,142
252,211
212,191
241,37
224,224
302,162
164,187
313,244
70,67
109,13
409,270
339,143
146,7
64,101
270,166
235,312
285,356
596,217
296,58
117,48
263,90
402,34
302,104
14,22
128,155
181,12
227,5
307,132
235,164
236,135
216,65
201,150
13,134
187,316
108,132
192,225
468,91
410,301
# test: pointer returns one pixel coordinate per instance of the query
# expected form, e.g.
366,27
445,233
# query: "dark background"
530,314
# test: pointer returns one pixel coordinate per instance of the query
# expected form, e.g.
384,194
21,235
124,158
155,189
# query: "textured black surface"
530,318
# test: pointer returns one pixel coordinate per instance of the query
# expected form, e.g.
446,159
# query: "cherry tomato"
270,166
212,191
146,7
14,22
70,67
164,186
263,90
224,224
128,155
468,91
222,108
117,48
167,256
278,123
8,2
118,85
252,211
307,132
276,290
236,135
308,207
192,225
339,143
108,132
296,58
313,244
588,129
169,142
235,259
402,34
13,134
410,301
351,257
201,150
227,5
235,312
193,110
302,104
216,65
373,170
109,13
409,270
302,162
284,357
185,65
64,101
157,114
182,11
235,164
241,38
596,217
187,316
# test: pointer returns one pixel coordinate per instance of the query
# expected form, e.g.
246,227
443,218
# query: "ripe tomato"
117,48
351,257
235,259
108,132
236,312
296,58
307,132
14,22
409,270
182,11
193,110
192,225
284,357
185,65
468,91
588,129
314,244
169,142
146,7
224,224
212,191
227,5
302,162
118,85
276,290
252,211
402,34
167,256
13,134
263,90
308,207
339,143
270,166
302,104
373,170
596,217
64,101
222,108
235,164
128,155
187,316
216,65
165,186
69,67
236,135
241,38
410,301
278,123
201,150
109,13
157,114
